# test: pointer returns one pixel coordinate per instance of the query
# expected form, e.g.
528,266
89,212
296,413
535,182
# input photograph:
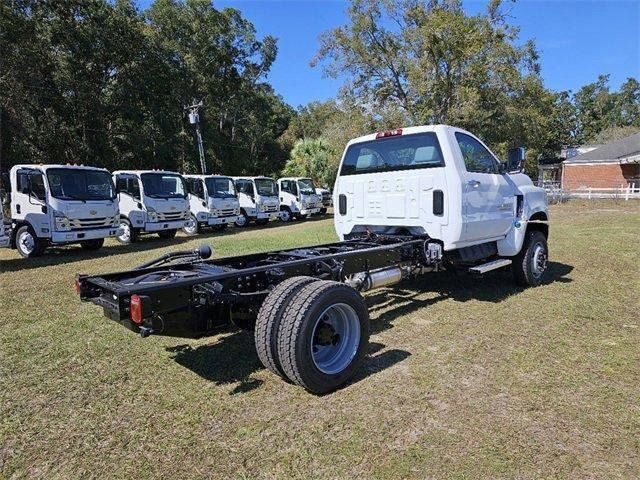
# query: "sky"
577,40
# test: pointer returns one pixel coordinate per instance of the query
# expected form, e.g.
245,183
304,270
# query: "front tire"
90,245
128,234
530,265
191,226
323,336
28,244
285,214
243,221
167,234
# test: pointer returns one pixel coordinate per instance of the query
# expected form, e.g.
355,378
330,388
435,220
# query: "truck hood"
223,203
267,200
169,205
75,209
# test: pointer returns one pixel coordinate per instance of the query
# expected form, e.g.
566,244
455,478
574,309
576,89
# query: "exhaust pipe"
364,281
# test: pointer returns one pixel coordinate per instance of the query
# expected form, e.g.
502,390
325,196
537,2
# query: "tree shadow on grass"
57,255
233,358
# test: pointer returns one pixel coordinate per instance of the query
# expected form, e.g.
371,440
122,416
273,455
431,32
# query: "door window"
476,157
128,185
289,186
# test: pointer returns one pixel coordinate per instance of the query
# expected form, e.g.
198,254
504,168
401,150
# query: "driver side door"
488,200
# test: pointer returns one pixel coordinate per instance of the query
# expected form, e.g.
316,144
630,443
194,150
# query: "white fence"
556,194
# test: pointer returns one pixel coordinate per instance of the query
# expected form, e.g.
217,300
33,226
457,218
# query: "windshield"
220,187
80,184
403,152
266,187
163,185
306,186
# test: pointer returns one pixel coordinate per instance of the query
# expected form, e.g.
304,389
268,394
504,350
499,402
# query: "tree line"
104,83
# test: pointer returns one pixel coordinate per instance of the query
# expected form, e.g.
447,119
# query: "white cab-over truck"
298,198
258,198
408,202
59,205
151,201
213,203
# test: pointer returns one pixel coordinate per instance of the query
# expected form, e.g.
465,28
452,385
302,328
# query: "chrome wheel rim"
27,242
126,232
286,216
191,226
539,260
335,338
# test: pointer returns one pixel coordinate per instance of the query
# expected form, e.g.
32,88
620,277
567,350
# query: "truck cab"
258,198
60,205
439,181
327,199
151,201
213,202
298,198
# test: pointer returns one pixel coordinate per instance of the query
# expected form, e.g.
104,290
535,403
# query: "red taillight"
135,309
77,286
389,133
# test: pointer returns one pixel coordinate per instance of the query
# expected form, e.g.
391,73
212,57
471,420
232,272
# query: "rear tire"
323,336
167,234
28,244
269,318
95,244
530,265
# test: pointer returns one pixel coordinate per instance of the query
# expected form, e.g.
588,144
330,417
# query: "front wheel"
28,244
530,265
323,211
95,244
242,220
285,215
191,226
128,234
167,234
323,336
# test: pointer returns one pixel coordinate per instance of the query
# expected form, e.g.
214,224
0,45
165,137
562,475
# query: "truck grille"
271,208
165,217
228,212
88,223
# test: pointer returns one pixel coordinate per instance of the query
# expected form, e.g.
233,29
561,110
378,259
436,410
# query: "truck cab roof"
139,172
202,177
46,167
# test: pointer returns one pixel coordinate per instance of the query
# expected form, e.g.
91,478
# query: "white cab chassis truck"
213,202
258,198
409,202
60,205
327,199
298,198
151,201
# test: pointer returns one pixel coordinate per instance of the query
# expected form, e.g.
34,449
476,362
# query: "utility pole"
194,119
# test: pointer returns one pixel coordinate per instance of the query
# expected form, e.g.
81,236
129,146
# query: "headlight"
62,223
152,215
215,212
263,208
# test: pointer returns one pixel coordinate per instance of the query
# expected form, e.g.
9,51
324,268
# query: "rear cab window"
403,152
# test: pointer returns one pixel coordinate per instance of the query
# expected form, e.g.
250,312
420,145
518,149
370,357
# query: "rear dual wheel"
313,333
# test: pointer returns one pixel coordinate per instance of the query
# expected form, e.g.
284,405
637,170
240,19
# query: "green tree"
314,158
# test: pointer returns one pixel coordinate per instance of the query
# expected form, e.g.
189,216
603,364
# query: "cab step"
487,267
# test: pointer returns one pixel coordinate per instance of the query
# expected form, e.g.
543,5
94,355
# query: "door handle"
473,183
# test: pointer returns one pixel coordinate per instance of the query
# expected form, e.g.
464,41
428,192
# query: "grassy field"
466,378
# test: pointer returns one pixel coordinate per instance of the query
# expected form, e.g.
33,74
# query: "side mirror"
515,160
